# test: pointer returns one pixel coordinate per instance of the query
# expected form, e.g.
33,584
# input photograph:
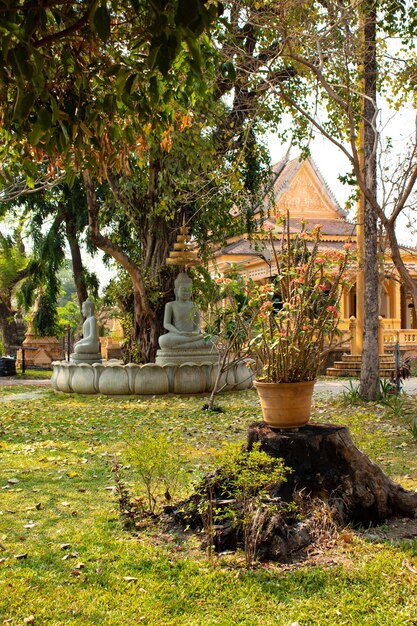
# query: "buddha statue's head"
183,287
88,308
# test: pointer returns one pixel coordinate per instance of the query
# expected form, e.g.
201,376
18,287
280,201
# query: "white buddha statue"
87,349
182,319
182,323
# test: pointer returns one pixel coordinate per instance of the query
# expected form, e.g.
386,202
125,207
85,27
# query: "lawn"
66,559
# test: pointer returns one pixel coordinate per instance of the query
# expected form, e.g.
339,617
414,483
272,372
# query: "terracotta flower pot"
285,405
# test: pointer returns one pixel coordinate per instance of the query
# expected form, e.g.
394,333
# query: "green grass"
34,375
59,447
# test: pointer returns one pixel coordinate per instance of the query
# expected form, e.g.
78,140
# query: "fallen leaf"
65,503
65,546
13,481
21,556
410,567
29,620
130,579
30,525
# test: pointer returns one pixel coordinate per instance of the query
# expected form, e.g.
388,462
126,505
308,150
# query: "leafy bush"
243,478
160,467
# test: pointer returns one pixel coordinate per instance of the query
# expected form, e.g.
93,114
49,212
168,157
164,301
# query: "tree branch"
115,251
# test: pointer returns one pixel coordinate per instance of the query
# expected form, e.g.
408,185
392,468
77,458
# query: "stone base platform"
86,357
113,378
166,357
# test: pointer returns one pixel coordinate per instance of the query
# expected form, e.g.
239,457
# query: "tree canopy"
137,97
78,80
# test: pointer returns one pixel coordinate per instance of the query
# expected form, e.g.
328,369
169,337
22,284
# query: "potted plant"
290,320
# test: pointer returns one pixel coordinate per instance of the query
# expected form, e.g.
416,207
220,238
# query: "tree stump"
327,465
330,481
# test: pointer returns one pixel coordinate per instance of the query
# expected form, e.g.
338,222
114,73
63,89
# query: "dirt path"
323,386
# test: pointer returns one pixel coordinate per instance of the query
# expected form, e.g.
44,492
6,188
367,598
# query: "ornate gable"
301,190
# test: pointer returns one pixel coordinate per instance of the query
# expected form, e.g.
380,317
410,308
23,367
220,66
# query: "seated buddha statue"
182,320
87,349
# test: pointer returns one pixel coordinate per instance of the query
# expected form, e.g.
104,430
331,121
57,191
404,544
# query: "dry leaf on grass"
410,567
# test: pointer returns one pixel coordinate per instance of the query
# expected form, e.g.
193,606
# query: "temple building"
299,188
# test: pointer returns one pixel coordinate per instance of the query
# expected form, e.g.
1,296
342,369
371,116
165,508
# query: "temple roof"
300,184
263,249
330,227
284,172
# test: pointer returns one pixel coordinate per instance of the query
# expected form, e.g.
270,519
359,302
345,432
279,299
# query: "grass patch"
58,513
34,375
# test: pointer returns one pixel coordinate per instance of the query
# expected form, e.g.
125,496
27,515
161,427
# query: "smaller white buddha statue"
87,349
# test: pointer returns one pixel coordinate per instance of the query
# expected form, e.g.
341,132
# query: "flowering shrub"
289,321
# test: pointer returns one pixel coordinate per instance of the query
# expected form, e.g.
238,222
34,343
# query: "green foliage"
67,73
12,261
413,427
45,318
351,395
244,478
388,388
159,467
246,474
68,316
47,271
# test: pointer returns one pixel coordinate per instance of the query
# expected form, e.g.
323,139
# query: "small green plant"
351,395
160,467
413,427
389,389
237,491
395,404
131,509
413,367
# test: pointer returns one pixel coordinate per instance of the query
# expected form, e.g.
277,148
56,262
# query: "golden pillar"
396,302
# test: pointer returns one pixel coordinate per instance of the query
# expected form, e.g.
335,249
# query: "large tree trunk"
369,381
152,280
8,328
157,239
